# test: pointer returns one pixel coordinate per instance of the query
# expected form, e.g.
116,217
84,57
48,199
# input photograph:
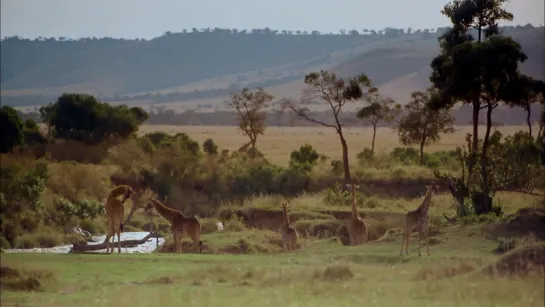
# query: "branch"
301,113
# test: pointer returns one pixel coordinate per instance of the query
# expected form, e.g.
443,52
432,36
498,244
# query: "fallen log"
81,248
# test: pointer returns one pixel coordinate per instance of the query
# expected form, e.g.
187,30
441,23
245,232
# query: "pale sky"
148,19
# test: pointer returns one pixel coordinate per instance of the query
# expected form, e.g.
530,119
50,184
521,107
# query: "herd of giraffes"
357,227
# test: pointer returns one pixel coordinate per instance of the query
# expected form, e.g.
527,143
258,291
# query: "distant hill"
198,70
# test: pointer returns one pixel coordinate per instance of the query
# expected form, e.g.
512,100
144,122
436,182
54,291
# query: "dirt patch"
527,221
163,280
335,272
520,262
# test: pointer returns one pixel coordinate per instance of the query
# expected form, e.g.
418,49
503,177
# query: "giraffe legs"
108,237
177,237
118,242
406,239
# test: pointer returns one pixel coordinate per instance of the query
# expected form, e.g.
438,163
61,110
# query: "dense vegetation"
58,183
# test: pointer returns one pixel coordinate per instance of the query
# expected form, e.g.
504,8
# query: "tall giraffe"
179,224
418,219
357,229
289,234
115,212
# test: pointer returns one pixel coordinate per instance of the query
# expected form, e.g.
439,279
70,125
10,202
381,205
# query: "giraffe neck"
286,217
164,211
354,208
426,203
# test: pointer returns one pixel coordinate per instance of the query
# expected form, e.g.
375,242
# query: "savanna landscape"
300,163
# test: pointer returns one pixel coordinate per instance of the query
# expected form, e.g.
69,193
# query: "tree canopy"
421,124
82,117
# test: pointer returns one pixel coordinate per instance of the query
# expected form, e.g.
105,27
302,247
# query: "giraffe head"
285,206
149,206
128,193
433,187
352,187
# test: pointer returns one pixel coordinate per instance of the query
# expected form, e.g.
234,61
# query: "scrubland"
471,260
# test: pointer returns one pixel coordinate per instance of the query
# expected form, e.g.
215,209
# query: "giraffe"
418,219
180,224
115,212
289,234
357,228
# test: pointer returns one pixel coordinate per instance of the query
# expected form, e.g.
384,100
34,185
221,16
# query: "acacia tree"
250,107
524,91
480,73
335,93
422,124
481,16
381,109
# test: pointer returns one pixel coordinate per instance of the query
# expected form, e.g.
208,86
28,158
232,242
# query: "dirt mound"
13,280
527,221
521,262
7,272
444,271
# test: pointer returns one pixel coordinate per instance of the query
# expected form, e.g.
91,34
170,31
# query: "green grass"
323,273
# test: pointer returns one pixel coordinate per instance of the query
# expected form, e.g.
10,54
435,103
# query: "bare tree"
250,108
380,109
335,93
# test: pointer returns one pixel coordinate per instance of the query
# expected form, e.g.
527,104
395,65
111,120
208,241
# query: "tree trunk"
346,164
475,142
528,115
81,248
422,142
373,141
484,161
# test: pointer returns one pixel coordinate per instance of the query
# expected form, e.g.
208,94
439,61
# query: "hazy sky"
147,18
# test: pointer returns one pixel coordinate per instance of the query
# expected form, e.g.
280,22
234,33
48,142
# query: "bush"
44,239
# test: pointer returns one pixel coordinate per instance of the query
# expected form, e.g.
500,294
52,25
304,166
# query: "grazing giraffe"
115,212
179,224
289,234
357,228
418,219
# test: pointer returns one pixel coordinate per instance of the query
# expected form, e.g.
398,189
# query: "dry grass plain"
278,142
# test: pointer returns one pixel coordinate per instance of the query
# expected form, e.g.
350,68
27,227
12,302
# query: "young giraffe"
418,219
289,234
115,212
180,224
357,228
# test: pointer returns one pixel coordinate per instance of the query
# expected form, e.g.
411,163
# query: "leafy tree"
380,109
11,126
335,93
524,91
250,107
210,147
481,73
422,124
81,117
449,68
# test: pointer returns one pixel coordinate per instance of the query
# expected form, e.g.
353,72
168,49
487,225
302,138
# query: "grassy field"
322,273
278,142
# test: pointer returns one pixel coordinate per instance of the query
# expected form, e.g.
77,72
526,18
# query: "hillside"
187,71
